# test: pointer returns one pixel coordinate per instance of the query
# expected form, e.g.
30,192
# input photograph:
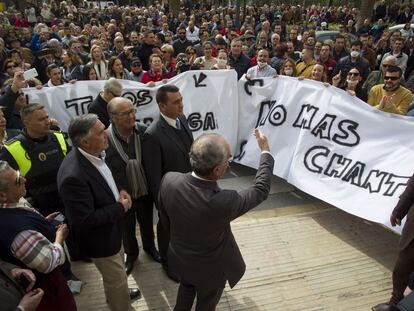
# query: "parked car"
323,35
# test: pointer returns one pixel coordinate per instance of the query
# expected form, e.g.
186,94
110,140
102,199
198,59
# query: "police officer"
37,153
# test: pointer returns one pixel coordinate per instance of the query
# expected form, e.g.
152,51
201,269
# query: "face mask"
351,82
222,62
354,54
289,71
261,64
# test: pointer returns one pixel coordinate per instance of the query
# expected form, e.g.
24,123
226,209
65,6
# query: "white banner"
328,143
210,100
325,142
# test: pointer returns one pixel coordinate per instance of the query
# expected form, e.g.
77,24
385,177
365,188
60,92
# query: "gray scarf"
134,170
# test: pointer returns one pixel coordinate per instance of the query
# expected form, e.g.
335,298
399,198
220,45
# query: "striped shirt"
33,248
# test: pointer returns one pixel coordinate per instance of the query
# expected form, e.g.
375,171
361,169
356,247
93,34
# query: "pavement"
300,253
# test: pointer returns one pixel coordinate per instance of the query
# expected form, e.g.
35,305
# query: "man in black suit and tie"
197,214
95,208
165,148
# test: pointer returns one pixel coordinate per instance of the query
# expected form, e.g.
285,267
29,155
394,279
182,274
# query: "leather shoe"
155,255
129,266
134,293
384,307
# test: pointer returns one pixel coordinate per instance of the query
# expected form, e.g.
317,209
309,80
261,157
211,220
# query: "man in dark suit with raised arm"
202,251
165,148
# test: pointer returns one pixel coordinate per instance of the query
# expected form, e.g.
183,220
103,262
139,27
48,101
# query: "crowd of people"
102,196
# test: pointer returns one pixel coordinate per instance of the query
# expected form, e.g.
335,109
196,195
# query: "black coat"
163,152
93,214
98,107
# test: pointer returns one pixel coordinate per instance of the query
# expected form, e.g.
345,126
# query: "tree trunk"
366,9
175,7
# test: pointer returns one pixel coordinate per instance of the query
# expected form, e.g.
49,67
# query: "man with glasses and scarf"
391,96
124,158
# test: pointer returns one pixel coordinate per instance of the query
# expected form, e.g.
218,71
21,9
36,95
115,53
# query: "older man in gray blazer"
202,251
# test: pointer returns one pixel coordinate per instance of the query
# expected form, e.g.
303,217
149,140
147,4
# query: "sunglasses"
353,74
135,64
391,78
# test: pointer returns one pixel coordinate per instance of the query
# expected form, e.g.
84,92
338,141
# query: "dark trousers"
207,299
163,238
142,209
400,275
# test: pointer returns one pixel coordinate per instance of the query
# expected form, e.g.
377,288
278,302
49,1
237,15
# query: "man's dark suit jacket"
197,213
91,210
98,107
403,208
163,152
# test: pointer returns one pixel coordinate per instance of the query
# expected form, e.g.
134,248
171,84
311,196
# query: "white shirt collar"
198,177
91,158
170,121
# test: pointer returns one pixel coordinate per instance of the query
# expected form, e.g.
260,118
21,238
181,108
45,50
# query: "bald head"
116,102
209,155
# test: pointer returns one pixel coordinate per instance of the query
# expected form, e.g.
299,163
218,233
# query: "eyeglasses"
125,113
353,74
391,78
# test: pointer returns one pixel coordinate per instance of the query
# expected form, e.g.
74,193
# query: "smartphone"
24,281
59,219
30,74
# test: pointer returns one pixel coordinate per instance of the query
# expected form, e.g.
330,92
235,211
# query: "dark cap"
220,41
135,60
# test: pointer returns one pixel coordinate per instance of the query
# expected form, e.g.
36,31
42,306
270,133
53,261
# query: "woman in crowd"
89,72
318,73
98,61
207,61
117,70
157,71
17,56
288,68
407,32
191,55
168,60
72,66
353,84
9,67
222,60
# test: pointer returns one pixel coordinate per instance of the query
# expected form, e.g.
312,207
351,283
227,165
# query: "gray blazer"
197,214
